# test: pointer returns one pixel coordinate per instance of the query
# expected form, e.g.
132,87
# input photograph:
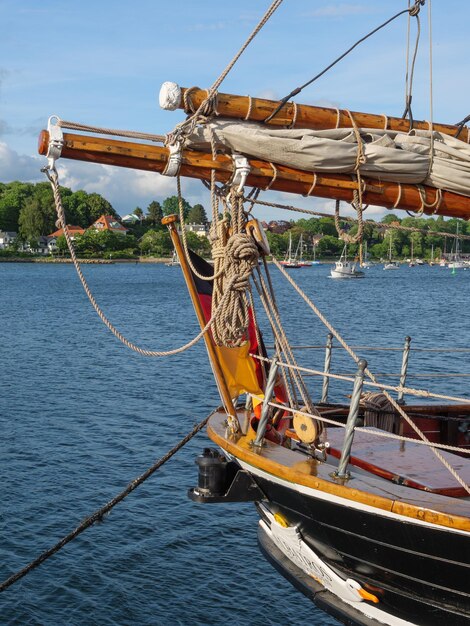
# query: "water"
81,416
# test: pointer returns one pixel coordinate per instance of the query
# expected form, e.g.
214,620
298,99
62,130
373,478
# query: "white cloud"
14,166
124,188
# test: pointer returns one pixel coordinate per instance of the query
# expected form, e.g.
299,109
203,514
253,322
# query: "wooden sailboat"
411,262
372,532
174,260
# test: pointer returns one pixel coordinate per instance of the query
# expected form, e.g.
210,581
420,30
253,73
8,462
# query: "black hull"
418,572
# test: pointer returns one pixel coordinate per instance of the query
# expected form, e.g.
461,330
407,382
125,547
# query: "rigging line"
409,81
365,429
323,346
423,393
98,515
413,11
344,218
191,121
110,131
369,373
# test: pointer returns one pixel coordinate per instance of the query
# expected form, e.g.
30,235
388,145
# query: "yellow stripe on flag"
239,370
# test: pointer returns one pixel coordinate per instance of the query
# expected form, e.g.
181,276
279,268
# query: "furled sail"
387,155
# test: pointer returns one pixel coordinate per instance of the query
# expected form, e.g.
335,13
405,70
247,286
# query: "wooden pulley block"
305,427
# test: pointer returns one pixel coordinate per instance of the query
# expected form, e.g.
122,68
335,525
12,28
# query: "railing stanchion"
351,423
267,399
326,379
404,369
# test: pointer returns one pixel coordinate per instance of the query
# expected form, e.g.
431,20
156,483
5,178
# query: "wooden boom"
199,165
317,118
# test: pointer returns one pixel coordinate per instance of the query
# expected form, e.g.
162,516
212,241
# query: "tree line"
29,210
320,237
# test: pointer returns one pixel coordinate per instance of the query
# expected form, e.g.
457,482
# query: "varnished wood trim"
239,447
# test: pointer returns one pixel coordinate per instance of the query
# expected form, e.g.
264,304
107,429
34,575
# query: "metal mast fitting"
56,141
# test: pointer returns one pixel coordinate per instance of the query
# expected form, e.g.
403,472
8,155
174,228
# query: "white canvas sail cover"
390,156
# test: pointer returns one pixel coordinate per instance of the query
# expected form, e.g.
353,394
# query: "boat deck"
369,489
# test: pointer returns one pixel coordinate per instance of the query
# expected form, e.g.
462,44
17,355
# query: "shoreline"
67,261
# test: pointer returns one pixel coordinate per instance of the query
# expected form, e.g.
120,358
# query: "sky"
102,62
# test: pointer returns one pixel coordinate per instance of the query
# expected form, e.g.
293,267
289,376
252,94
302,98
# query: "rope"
342,234
384,349
98,515
282,343
343,218
347,378
186,127
413,11
110,131
241,257
355,357
54,180
379,433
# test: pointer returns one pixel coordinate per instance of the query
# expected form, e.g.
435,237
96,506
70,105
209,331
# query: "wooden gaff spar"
199,165
295,116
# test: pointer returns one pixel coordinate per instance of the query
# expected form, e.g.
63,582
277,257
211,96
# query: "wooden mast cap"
170,219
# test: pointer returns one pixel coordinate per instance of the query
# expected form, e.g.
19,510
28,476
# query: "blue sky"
102,62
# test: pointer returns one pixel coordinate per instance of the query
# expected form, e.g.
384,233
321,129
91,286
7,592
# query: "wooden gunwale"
307,116
199,165
285,464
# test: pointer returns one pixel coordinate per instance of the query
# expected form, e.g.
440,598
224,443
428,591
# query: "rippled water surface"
81,416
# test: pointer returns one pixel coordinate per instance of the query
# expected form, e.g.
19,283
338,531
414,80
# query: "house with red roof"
51,240
73,231
108,222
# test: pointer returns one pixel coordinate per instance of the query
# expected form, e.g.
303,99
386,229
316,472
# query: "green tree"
157,243
198,244
37,217
276,244
99,206
171,205
329,245
155,213
12,200
138,211
197,215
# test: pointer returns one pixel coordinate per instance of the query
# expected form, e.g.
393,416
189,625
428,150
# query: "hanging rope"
110,131
54,180
98,515
237,257
412,12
